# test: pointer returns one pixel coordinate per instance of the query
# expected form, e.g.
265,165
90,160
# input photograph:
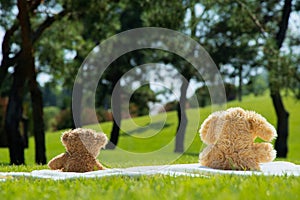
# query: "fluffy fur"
82,148
230,136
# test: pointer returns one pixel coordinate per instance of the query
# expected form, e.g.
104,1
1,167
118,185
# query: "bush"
87,117
50,114
104,115
170,106
63,120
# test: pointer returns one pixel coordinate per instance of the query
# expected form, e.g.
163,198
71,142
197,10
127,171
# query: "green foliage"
245,34
49,95
171,106
140,99
257,85
64,46
50,114
203,96
63,120
103,115
167,14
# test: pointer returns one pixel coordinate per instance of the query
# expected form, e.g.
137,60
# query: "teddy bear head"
236,123
82,140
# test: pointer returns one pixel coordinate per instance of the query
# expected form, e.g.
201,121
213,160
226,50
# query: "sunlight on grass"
146,144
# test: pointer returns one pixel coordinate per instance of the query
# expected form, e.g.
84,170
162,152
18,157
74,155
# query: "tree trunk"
182,118
282,125
240,84
6,60
16,142
281,113
116,106
24,71
38,121
14,109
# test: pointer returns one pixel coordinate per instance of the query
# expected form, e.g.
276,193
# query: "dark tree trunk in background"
240,89
282,115
116,107
25,71
187,74
16,143
14,111
38,121
6,60
182,118
282,125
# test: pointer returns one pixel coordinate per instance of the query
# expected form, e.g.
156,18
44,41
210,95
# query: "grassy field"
151,143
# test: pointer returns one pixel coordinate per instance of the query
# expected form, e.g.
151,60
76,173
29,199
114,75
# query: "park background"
254,44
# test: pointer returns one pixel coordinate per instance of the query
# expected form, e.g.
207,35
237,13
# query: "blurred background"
255,45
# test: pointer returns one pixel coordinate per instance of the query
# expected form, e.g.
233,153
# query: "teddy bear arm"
206,131
99,166
261,127
266,132
264,152
57,162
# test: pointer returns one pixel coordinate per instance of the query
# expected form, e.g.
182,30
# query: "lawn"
150,145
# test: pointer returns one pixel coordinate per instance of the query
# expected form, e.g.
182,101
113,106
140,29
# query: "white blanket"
278,168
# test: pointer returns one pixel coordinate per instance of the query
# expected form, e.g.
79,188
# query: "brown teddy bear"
230,138
82,148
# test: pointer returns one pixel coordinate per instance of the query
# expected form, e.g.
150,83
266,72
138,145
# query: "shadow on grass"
4,164
154,126
191,154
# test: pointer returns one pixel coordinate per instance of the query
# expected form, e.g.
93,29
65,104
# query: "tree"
130,18
64,48
171,15
22,33
227,40
274,41
282,114
140,99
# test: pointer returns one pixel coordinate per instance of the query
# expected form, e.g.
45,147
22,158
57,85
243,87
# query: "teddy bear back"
234,146
236,127
231,132
84,140
226,125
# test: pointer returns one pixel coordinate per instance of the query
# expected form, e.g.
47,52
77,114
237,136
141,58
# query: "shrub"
63,120
104,115
50,114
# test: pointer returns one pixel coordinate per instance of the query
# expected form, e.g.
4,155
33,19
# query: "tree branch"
254,18
47,23
6,61
34,4
283,24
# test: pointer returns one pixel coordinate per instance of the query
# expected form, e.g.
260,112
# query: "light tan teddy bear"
230,136
82,148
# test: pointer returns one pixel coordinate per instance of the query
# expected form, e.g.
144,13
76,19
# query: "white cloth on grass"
277,168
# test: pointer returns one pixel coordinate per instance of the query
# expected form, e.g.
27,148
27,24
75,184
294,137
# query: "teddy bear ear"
208,131
261,127
235,112
102,138
65,136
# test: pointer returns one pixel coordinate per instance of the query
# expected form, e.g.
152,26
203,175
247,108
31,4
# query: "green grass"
151,145
154,187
